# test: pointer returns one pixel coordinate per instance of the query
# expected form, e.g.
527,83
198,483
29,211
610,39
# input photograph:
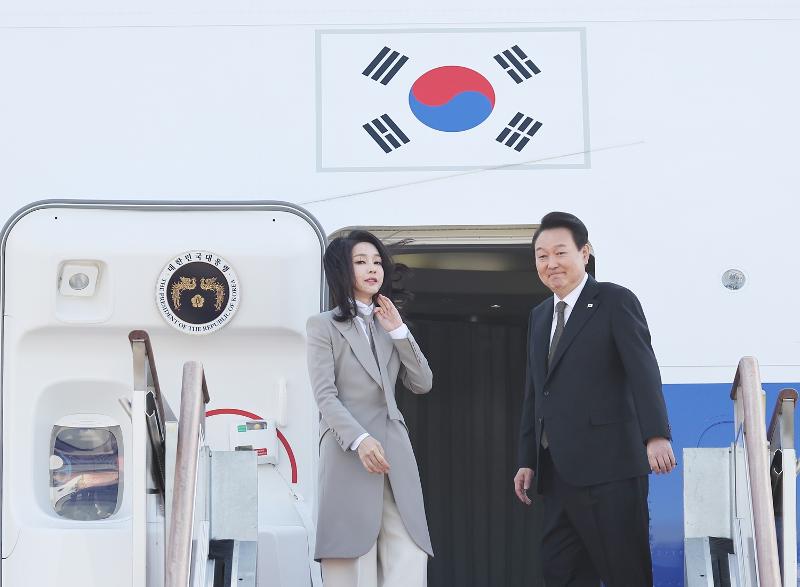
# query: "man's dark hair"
338,264
563,220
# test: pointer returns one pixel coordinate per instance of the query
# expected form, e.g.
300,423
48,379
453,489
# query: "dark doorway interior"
468,307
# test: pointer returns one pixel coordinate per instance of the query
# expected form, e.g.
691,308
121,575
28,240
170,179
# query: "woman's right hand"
372,456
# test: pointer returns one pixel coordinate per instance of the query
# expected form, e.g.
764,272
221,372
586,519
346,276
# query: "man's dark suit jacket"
601,399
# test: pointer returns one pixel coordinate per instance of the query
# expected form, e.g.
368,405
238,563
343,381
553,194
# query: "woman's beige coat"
355,396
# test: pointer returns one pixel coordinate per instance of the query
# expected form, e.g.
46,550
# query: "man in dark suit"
594,422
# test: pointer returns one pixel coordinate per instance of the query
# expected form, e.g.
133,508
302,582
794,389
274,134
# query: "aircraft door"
228,285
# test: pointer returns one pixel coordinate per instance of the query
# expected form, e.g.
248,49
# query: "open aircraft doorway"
466,293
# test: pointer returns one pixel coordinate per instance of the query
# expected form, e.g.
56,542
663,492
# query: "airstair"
196,519
740,501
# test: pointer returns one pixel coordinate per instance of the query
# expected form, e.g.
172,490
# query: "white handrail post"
782,438
139,468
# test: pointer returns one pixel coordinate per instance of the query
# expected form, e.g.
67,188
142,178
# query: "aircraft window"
85,471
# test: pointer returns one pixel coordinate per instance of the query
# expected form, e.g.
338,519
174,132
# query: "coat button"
546,393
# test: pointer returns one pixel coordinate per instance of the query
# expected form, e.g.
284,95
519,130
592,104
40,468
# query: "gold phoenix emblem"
185,284
206,284
219,291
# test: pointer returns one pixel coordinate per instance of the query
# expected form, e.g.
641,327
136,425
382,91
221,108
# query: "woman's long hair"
338,263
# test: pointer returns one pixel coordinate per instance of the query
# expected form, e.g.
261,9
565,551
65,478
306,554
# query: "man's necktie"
560,307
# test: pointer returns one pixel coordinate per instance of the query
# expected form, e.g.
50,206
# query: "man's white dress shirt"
570,299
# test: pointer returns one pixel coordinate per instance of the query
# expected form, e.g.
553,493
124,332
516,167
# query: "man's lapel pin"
590,305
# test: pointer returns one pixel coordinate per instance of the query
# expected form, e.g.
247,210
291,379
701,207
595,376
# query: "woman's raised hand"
387,314
372,456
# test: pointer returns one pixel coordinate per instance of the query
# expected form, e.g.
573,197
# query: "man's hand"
522,482
659,453
372,456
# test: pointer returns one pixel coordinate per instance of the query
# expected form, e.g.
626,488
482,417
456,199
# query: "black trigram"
386,59
386,133
517,64
520,130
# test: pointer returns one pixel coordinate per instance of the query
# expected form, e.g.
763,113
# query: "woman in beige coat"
371,525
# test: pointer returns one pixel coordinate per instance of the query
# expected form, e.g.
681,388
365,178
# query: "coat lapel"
383,346
584,309
358,342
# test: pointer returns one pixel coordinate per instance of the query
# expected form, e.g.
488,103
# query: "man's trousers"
595,533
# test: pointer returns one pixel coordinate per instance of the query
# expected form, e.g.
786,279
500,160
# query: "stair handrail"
145,374
194,396
746,392
780,435
146,467
784,396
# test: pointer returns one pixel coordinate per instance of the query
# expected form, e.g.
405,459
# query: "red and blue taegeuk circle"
451,98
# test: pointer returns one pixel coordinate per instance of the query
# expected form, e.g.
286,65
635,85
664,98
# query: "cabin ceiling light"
78,278
734,279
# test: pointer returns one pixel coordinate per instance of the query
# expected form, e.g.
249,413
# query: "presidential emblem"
198,292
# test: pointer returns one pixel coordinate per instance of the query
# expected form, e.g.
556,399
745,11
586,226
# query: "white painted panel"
706,493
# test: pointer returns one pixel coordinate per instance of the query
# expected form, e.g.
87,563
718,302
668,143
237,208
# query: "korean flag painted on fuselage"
451,99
